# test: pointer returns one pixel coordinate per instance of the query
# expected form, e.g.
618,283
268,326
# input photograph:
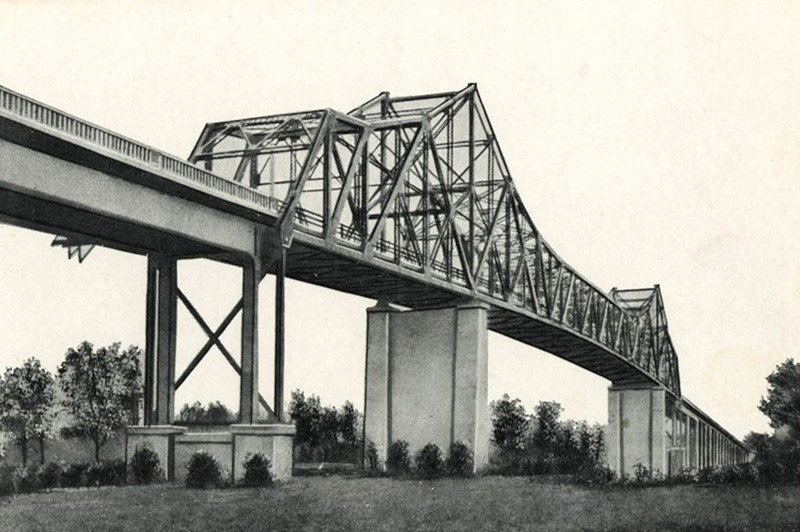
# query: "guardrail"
30,110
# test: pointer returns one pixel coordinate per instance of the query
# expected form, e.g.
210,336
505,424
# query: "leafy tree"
215,413
27,394
306,414
758,442
100,387
782,404
546,436
348,423
509,423
324,434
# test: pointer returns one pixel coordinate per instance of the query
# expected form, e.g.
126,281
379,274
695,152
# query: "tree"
306,414
509,423
216,413
548,426
348,423
100,388
324,433
27,394
782,404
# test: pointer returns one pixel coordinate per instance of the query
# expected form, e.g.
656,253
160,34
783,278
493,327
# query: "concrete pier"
426,379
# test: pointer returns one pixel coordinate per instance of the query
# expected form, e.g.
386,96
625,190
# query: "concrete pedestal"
217,444
273,441
636,429
159,438
426,379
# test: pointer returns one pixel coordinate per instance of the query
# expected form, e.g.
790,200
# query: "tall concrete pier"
426,379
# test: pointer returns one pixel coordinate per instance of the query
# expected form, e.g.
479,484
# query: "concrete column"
248,384
161,327
280,335
636,428
426,379
377,406
703,445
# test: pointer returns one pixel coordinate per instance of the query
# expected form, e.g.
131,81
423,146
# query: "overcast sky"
651,143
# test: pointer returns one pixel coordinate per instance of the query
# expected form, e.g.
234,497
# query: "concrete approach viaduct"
405,200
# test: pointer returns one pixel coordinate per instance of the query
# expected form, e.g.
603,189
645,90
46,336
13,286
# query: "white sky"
651,144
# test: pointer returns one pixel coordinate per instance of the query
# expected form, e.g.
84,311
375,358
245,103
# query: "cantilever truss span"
420,183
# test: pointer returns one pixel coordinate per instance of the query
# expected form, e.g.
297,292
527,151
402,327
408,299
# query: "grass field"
350,503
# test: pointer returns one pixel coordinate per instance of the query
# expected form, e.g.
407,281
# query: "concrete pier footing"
175,446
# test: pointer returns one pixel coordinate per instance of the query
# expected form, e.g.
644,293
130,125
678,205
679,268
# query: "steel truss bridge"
408,200
418,189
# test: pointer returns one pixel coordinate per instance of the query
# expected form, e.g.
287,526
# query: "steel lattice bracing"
420,183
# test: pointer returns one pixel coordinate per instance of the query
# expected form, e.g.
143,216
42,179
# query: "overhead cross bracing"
410,199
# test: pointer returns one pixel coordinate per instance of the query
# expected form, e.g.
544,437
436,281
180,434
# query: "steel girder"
421,182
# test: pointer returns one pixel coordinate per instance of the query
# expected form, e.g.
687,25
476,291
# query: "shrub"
7,486
28,479
111,473
145,466
257,471
51,475
737,474
705,475
398,462
684,476
641,474
371,457
429,461
459,461
511,462
203,471
595,475
74,476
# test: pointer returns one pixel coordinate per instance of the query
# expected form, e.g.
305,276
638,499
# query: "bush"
511,462
398,462
203,471
257,471
641,474
371,458
51,475
736,474
429,461
145,466
28,479
686,475
595,475
74,476
7,484
459,461
111,473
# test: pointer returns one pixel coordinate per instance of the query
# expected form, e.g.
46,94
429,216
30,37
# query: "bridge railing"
20,106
